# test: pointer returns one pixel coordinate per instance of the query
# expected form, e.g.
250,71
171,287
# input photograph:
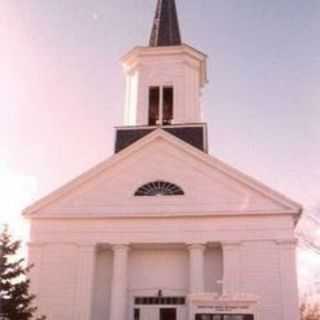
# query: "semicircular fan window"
159,188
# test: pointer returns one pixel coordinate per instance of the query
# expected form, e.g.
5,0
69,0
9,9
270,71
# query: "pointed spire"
165,29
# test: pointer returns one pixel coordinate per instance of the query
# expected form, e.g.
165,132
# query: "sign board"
228,308
211,307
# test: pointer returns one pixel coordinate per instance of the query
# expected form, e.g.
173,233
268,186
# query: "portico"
193,263
122,293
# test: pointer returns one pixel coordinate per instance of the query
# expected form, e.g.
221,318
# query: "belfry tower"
163,84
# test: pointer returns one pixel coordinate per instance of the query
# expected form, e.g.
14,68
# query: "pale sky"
62,90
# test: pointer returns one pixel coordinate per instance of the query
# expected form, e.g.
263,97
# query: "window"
154,101
160,301
136,314
167,116
160,105
224,317
159,188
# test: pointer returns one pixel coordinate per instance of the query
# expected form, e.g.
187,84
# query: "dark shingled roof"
165,29
194,135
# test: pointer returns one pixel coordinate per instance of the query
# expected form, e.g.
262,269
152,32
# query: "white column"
35,256
119,289
288,272
196,276
85,280
231,267
35,251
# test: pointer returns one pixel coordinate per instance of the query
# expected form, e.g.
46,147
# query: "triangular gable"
244,194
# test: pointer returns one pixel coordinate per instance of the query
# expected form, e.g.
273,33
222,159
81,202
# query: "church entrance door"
156,313
168,314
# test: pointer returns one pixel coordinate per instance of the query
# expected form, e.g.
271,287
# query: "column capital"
87,248
230,244
196,246
36,244
287,243
120,247
86,244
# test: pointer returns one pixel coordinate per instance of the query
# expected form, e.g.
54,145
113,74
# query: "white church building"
162,230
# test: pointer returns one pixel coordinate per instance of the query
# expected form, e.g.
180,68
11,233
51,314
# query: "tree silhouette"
310,310
16,303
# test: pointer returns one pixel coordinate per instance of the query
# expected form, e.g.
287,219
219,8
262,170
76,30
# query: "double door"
168,314
156,313
160,307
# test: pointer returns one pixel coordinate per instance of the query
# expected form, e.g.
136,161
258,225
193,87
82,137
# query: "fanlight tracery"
159,188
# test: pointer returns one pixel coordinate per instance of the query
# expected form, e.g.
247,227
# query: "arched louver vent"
159,188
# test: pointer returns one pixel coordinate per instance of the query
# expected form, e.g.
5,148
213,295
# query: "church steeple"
165,29
163,85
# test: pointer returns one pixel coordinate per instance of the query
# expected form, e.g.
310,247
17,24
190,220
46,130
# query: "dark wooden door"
168,314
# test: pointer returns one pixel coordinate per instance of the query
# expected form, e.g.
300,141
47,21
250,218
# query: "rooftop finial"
165,29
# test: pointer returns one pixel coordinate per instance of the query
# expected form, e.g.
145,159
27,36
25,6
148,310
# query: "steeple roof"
165,29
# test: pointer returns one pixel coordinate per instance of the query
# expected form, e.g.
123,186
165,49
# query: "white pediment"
210,187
